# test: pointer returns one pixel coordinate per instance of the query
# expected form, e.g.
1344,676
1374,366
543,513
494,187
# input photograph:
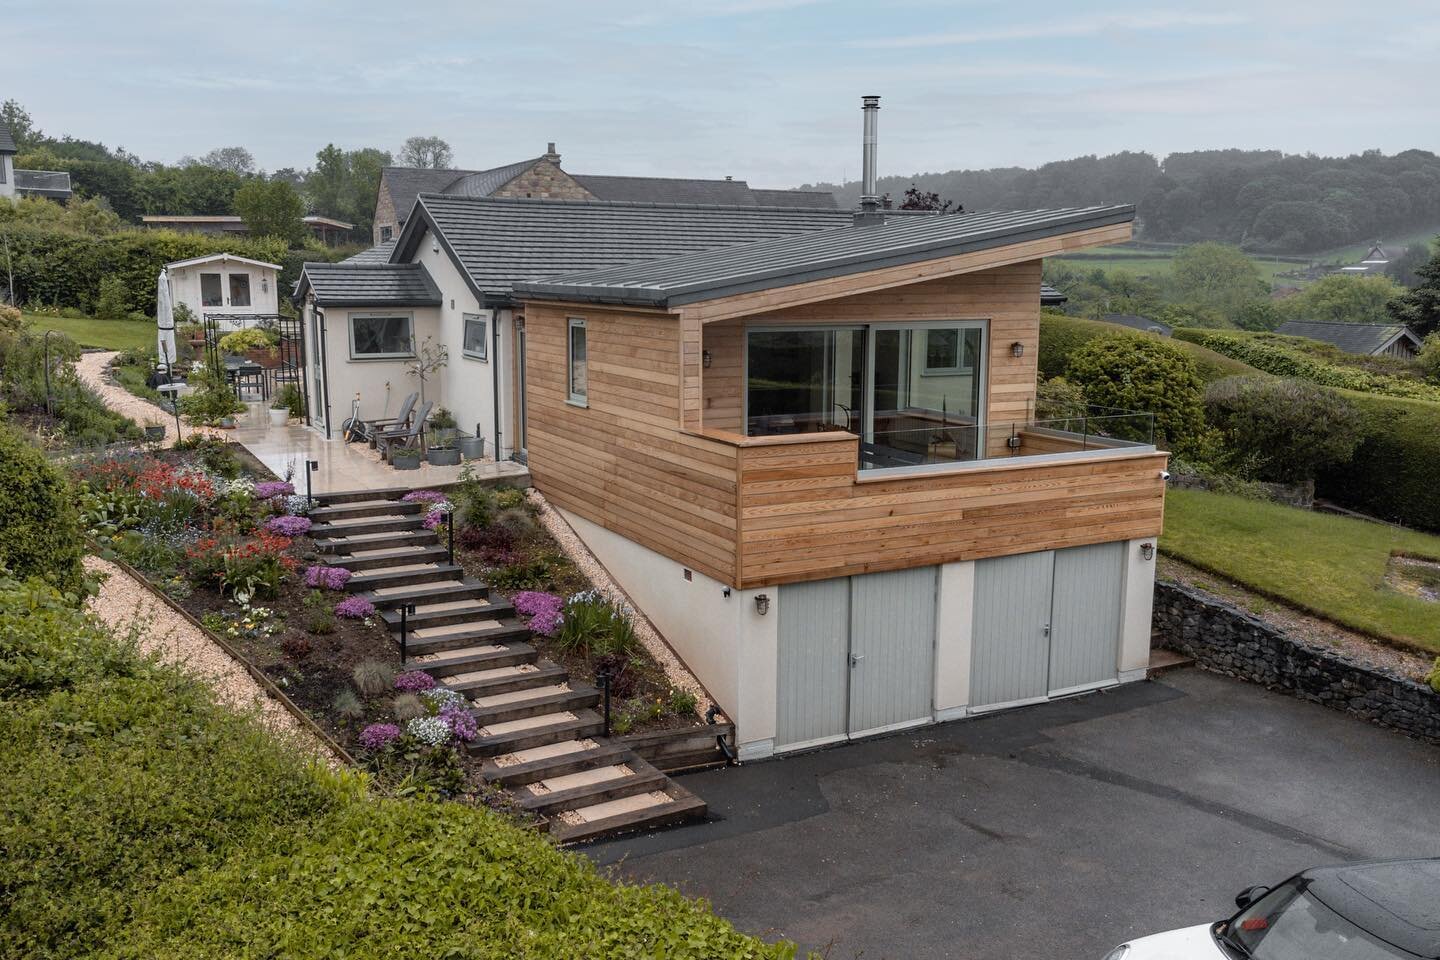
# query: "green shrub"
682,702
1429,358
251,338
533,573
1144,374
112,301
1282,431
1284,357
212,398
1392,473
11,319
290,398
1433,677
1061,336
40,533
594,626
371,677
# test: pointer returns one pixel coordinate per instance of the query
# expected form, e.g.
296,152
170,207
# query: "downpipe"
731,760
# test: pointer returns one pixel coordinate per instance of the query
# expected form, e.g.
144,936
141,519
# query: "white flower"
429,730
441,697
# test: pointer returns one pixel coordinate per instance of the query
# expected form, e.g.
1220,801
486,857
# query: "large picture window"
579,380
381,336
211,293
477,326
239,289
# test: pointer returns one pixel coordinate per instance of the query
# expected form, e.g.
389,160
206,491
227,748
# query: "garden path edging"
1223,638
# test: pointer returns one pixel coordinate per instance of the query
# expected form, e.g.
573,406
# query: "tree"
431,152
272,209
22,129
1420,307
229,159
1405,269
1430,357
1216,276
1144,374
344,182
917,199
1344,299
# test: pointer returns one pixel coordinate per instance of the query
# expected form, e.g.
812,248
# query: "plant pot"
443,456
279,416
154,433
405,461
227,423
267,357
472,448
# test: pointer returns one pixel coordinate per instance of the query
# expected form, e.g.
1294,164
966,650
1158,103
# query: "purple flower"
461,720
414,681
287,526
378,735
543,609
354,607
274,488
328,578
433,520
424,496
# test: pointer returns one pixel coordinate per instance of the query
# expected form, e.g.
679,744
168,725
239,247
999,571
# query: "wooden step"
628,814
432,640
475,656
512,735
641,779
404,575
356,562
348,528
448,612
533,702
362,509
438,592
557,764
360,496
378,541
481,683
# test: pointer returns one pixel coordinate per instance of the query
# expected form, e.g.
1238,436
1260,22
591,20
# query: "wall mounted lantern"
705,359
1017,349
762,604
1147,550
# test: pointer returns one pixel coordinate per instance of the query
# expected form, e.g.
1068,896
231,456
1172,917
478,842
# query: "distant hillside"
1261,199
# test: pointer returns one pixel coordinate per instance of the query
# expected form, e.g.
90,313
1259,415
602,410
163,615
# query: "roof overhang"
224,257
305,285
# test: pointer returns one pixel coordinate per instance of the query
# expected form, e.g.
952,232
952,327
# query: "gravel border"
569,541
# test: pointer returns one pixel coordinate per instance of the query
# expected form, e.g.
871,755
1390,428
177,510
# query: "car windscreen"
1290,924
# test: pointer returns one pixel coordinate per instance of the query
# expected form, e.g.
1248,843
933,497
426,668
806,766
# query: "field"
105,334
1143,263
1332,567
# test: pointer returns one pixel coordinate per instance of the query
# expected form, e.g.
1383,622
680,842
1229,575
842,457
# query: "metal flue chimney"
869,194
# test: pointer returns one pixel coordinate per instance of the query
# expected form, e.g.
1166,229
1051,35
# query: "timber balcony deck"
539,731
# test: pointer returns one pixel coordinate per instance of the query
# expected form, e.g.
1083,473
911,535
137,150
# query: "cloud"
1088,27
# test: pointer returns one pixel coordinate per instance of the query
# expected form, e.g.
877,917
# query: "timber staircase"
540,732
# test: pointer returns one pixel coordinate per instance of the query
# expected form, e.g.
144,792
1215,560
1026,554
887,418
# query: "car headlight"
1118,953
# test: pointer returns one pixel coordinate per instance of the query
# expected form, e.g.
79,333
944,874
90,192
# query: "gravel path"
92,372
124,601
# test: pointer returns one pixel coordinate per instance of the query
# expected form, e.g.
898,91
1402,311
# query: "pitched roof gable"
350,284
1360,338
7,142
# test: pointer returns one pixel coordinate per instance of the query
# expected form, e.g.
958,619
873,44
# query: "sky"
763,90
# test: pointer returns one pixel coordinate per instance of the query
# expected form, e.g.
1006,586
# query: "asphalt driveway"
1052,831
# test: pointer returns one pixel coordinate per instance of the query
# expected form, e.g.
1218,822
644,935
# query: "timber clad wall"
766,510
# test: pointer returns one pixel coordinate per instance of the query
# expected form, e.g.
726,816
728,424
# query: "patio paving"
346,466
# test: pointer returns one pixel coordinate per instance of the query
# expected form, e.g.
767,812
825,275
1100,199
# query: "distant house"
1137,322
327,230
1365,339
1050,297
1375,262
541,178
51,184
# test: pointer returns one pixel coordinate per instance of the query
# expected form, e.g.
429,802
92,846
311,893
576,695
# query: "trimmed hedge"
139,819
1144,373
1395,471
1269,352
1062,336
40,534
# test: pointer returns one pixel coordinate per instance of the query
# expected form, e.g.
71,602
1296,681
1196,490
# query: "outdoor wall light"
1147,550
705,359
434,244
264,284
762,604
1017,349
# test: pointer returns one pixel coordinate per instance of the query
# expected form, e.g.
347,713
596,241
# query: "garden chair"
405,436
371,429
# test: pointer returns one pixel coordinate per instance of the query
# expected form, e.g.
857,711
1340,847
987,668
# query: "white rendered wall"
1139,580
954,627
729,647
382,385
7,175
264,288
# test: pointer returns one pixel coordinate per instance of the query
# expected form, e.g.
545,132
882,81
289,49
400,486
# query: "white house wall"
381,385
7,176
1139,586
264,288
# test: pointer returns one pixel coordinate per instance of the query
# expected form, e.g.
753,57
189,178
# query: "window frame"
386,233
249,291
219,286
409,318
483,354
571,397
959,368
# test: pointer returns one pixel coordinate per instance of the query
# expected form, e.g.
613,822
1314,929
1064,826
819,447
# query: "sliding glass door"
913,393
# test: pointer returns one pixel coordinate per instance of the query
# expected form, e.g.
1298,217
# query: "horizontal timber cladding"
622,461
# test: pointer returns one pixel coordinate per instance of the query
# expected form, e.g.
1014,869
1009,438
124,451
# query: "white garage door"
1046,624
857,656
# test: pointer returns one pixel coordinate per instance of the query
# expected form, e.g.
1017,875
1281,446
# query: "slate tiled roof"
352,284
1050,297
667,190
820,199
7,142
406,183
501,240
769,264
1137,322
43,183
1361,338
482,183
380,253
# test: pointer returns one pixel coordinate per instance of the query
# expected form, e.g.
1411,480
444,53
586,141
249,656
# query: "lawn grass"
105,334
1329,566
1157,264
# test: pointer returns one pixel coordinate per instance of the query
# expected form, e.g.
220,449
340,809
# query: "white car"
1382,910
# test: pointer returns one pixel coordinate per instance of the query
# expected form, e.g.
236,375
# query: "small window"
476,327
377,337
942,351
239,289
4,163
579,378
210,294
385,234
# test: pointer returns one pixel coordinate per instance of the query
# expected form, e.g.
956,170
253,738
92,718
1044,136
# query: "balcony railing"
944,443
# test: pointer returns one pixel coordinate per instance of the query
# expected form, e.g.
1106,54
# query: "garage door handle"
855,659
1045,630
